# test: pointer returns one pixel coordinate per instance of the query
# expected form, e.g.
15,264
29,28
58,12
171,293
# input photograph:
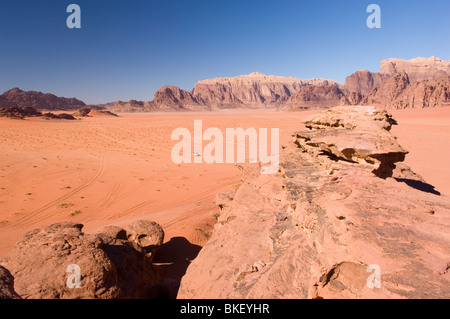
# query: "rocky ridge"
38,100
257,90
400,84
323,225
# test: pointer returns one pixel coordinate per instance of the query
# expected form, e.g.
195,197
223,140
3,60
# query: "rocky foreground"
341,208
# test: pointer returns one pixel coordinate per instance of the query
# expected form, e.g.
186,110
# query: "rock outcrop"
355,135
255,90
131,106
363,81
7,285
19,112
326,226
38,100
416,83
398,92
172,98
28,111
91,112
44,264
419,69
314,96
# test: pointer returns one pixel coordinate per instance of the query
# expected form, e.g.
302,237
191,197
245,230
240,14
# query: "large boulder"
146,234
45,263
354,134
7,285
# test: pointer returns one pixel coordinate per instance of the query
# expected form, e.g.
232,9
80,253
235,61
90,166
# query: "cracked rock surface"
325,224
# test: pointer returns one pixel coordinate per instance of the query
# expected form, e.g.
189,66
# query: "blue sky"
128,49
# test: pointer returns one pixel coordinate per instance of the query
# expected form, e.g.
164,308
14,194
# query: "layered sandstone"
322,225
113,264
398,92
419,69
363,81
7,285
314,96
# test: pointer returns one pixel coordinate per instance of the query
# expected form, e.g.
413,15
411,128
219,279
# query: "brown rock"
314,96
19,112
131,106
109,267
39,100
7,285
354,134
255,90
146,234
399,93
363,81
172,98
419,69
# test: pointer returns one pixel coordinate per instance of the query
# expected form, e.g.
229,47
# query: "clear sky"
127,49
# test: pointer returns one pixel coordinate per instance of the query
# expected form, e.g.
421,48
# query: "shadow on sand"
424,187
173,259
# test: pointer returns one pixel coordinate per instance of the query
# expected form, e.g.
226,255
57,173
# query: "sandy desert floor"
110,171
425,133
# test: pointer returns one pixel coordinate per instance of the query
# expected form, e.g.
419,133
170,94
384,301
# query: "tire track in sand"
30,218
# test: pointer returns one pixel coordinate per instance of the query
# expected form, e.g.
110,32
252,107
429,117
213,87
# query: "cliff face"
38,100
255,90
363,81
400,84
419,69
331,223
314,96
399,93
172,98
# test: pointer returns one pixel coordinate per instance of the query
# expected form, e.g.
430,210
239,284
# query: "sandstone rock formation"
255,90
314,96
7,285
357,135
401,84
28,111
90,112
110,266
19,112
326,224
363,81
398,92
38,100
419,69
146,234
131,106
172,98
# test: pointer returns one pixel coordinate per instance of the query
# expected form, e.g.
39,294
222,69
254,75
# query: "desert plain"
105,170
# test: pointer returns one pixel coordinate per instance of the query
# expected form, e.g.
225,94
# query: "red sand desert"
103,171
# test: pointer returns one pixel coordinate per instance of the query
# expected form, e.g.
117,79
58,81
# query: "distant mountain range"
415,83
